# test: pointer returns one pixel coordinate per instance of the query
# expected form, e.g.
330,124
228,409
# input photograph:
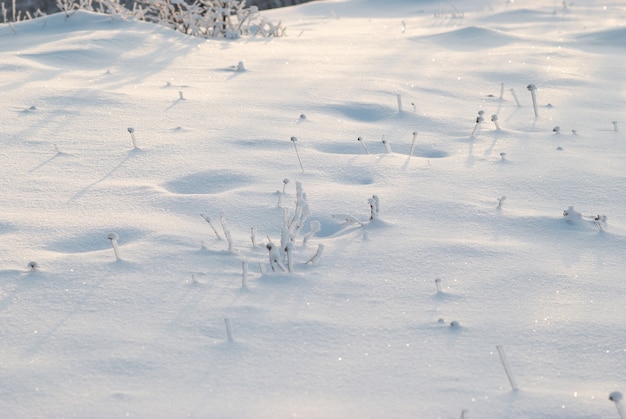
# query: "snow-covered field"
360,332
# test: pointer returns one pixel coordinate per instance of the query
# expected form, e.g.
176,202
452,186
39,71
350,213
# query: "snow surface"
362,331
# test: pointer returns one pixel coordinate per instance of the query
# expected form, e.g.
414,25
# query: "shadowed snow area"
363,112
613,38
267,263
207,183
93,241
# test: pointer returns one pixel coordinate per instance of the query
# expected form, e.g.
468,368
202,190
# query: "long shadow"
470,153
496,137
9,297
84,190
44,338
49,160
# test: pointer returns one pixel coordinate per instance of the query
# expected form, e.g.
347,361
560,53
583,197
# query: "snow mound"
613,38
472,38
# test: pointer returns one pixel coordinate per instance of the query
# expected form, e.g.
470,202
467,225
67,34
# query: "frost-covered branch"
202,18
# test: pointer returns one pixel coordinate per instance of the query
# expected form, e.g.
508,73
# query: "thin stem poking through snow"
533,89
293,140
438,285
226,233
616,397
114,237
208,220
360,140
479,119
131,131
413,143
494,119
386,144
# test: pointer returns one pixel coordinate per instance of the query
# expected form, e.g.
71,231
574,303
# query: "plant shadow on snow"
94,241
99,52
332,227
84,190
610,39
14,281
58,154
357,175
52,282
444,296
376,147
284,278
559,230
6,228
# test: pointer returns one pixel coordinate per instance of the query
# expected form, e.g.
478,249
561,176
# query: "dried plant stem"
386,144
532,89
226,233
293,140
208,220
413,143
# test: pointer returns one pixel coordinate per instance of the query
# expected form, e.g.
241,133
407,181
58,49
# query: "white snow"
362,331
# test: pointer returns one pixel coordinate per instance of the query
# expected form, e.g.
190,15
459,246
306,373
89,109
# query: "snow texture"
361,330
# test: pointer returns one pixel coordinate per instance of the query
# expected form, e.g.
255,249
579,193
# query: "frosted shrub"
275,258
574,217
600,221
282,257
202,18
109,7
374,203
